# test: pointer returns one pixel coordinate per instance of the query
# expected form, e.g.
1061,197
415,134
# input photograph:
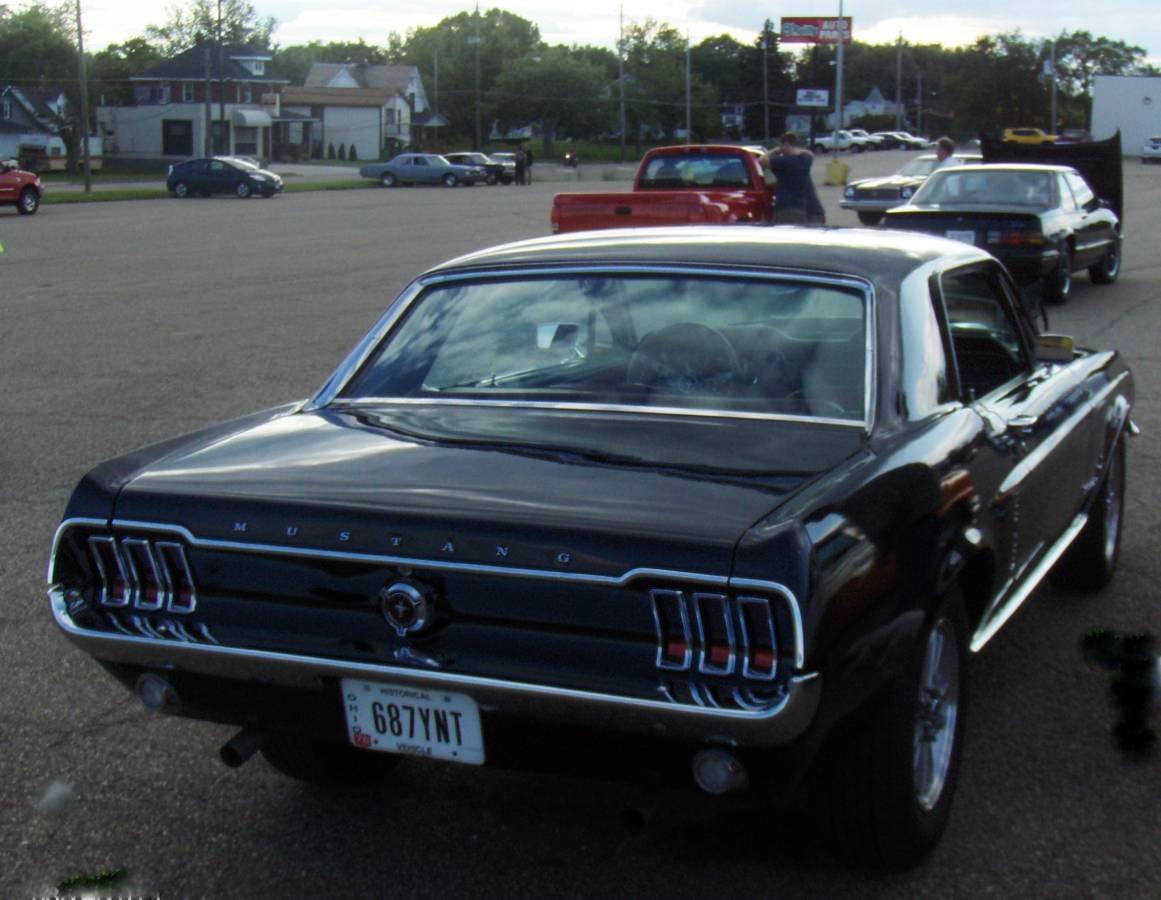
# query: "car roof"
879,255
1017,167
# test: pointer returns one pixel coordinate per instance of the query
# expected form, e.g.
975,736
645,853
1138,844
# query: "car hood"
888,181
630,492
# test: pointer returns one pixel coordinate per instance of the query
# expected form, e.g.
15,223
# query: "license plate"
395,718
967,237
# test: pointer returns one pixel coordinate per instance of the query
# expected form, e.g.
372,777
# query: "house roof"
191,65
296,96
36,103
384,78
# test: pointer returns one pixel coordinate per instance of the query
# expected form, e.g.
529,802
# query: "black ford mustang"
731,506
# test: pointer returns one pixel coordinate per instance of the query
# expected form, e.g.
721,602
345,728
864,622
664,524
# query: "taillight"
724,630
1015,237
675,643
145,574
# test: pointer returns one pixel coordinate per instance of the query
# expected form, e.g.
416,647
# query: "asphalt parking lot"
124,323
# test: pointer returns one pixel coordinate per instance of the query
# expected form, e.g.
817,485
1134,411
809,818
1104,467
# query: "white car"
824,143
1151,151
865,141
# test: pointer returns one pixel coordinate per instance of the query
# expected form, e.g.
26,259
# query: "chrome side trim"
398,308
294,668
1015,600
1029,463
50,575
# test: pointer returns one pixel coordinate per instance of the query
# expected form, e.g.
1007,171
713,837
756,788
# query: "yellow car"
1027,136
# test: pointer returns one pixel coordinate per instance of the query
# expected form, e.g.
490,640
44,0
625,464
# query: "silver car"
422,168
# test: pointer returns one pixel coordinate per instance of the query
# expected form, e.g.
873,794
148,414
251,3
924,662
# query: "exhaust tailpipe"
717,771
241,747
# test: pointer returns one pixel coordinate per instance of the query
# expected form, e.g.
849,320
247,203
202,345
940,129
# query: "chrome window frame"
395,312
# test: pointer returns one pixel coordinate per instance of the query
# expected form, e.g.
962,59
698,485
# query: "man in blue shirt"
795,201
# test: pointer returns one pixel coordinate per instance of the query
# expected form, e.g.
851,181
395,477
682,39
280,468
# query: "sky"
953,22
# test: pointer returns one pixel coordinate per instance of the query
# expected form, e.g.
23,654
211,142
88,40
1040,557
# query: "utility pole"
765,85
476,41
899,83
435,96
1052,75
621,75
207,138
221,87
838,80
688,99
918,100
84,101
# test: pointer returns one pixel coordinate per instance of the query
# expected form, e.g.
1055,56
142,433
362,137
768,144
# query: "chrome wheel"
29,202
936,712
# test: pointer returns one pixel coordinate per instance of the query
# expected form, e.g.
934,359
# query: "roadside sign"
815,30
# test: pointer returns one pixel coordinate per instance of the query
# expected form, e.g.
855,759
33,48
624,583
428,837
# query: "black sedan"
1043,222
498,171
221,175
725,507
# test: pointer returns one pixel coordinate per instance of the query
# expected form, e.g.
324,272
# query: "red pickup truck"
704,184
19,188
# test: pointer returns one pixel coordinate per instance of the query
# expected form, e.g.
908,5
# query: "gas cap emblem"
406,608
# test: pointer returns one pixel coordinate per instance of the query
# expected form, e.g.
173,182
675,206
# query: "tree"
558,88
186,26
1080,57
504,37
655,68
37,45
111,69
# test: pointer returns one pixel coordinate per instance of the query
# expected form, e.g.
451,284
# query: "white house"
364,107
1130,104
30,122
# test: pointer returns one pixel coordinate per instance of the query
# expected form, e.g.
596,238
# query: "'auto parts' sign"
812,30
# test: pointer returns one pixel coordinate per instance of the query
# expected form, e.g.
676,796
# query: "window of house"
390,116
245,140
247,94
187,92
163,93
5,109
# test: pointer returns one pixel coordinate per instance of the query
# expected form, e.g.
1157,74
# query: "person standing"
945,153
528,165
521,165
796,200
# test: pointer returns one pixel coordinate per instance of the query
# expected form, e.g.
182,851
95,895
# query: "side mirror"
1054,348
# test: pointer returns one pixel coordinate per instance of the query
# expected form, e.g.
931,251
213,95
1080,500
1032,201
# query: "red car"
19,188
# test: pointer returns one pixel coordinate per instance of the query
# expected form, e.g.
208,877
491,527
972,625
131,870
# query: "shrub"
354,154
342,151
330,151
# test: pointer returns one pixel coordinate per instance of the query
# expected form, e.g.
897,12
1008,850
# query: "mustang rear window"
735,345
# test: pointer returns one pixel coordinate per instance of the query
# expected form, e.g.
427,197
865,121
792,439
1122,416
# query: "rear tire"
243,190
885,783
450,180
1107,270
387,179
326,763
870,218
1056,287
28,203
181,190
1091,561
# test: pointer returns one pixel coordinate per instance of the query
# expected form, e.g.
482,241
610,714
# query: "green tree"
111,69
655,68
451,44
199,19
559,89
37,45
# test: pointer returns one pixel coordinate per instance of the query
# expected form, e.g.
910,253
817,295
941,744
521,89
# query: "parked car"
825,142
1043,222
867,141
1151,150
871,197
888,140
19,188
1027,136
910,141
727,506
221,175
497,171
685,184
422,168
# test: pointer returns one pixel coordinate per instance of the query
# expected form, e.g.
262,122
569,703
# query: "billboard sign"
815,30
812,97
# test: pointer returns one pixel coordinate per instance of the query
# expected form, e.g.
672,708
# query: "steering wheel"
685,358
